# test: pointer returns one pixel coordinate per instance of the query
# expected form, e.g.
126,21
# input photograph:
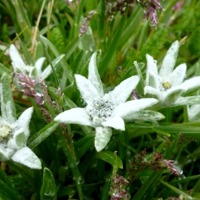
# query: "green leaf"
130,31
22,18
148,185
194,42
177,190
25,52
41,135
185,179
4,69
186,130
25,173
53,65
111,158
48,189
65,67
57,37
154,43
4,178
39,52
7,102
83,145
172,147
138,67
112,47
7,193
69,49
64,191
102,20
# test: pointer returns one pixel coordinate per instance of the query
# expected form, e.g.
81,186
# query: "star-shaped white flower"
32,71
105,111
168,85
14,133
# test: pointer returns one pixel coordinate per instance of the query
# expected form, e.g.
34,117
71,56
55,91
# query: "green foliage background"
72,169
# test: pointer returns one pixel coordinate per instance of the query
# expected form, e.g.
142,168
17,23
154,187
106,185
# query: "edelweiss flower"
105,111
14,133
168,85
193,113
32,71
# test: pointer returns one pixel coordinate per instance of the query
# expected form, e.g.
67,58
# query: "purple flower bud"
85,24
177,6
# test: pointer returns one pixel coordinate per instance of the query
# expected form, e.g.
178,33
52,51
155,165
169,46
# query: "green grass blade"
41,135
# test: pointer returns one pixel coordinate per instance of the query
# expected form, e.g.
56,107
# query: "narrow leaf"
7,102
110,158
4,69
41,135
177,190
48,189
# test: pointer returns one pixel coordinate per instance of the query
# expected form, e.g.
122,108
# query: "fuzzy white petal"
151,67
6,111
26,157
115,122
87,90
144,115
172,94
38,65
169,60
93,75
153,91
74,116
130,107
187,101
24,120
6,153
18,140
17,61
154,80
194,112
193,83
177,76
102,137
124,89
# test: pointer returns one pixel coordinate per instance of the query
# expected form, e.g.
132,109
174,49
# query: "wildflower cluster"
150,8
72,3
39,92
155,162
84,26
117,188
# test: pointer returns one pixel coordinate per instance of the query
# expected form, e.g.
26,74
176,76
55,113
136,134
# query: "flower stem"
70,155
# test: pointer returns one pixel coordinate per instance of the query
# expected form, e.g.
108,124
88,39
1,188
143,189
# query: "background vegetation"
146,161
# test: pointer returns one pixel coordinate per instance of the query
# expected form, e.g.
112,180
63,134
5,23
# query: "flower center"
5,132
166,85
100,109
